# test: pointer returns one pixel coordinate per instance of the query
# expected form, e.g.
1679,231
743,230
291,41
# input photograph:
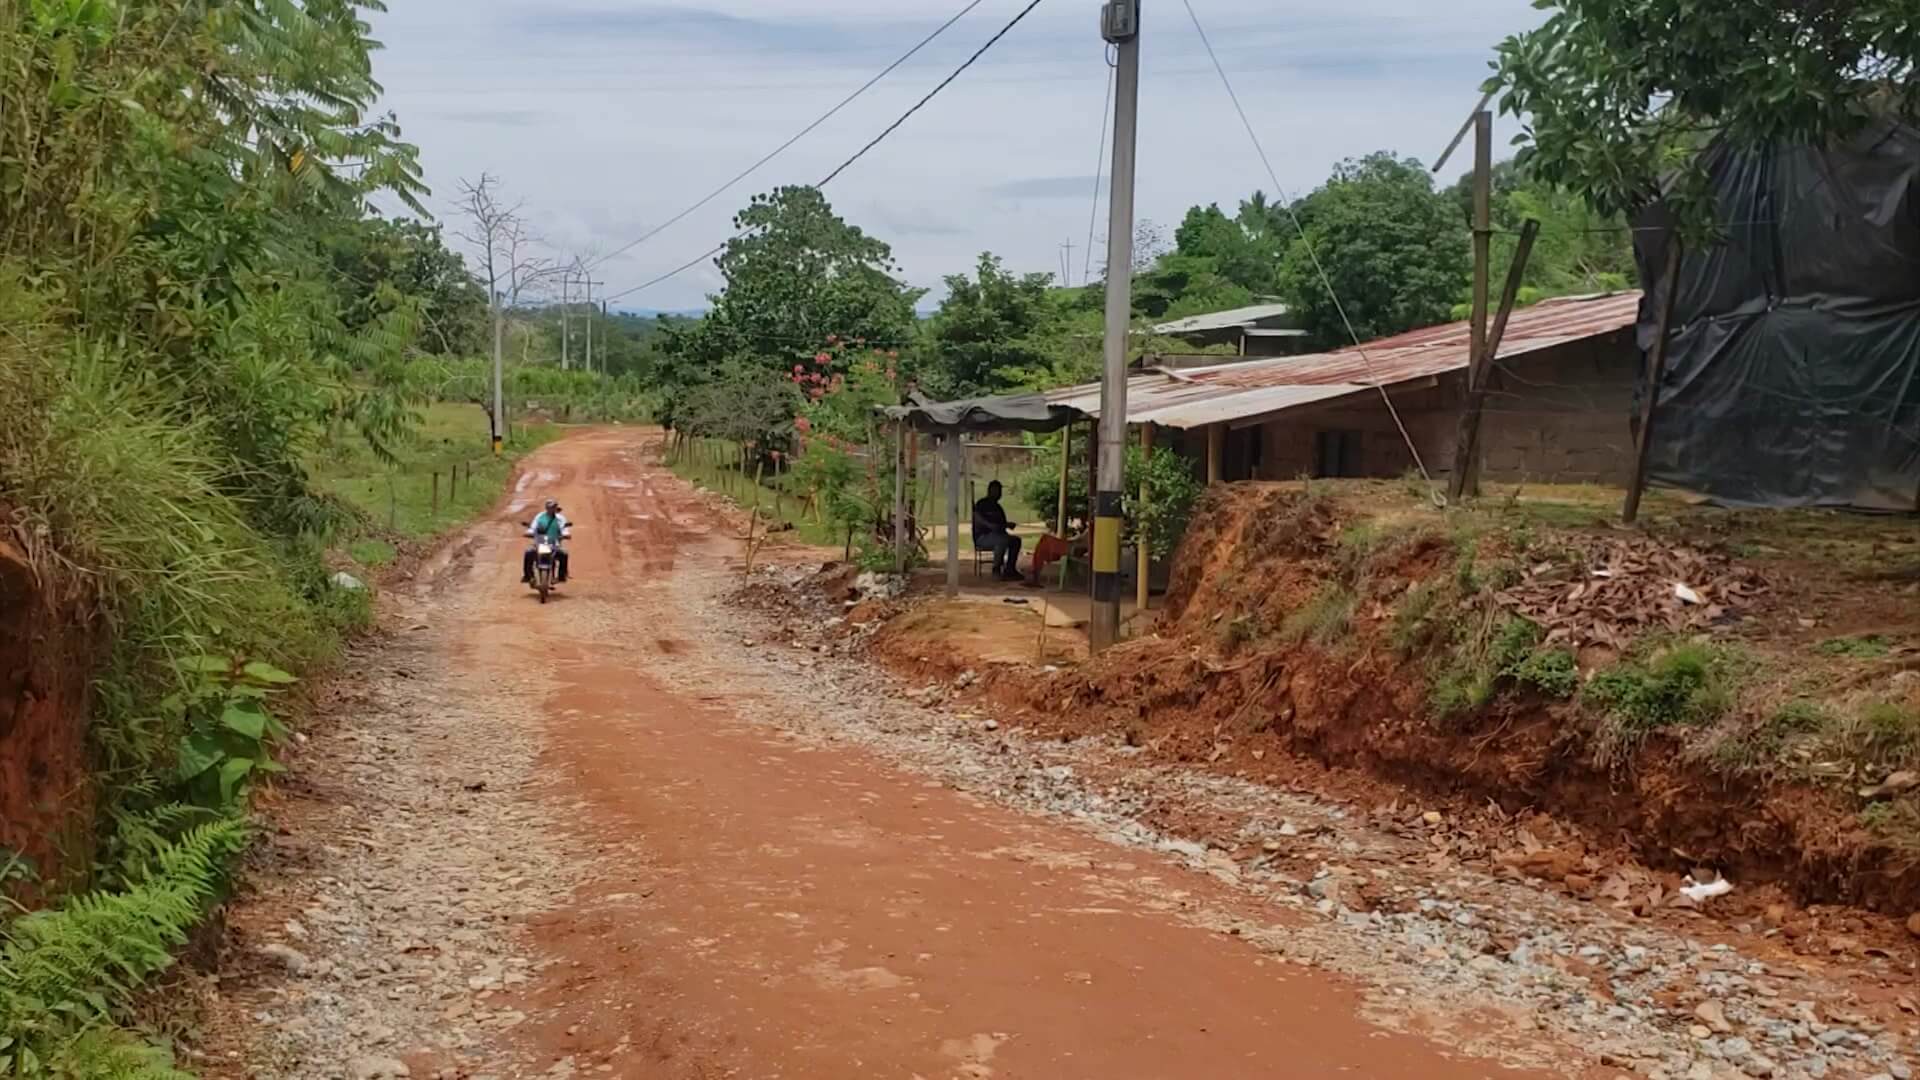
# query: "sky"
608,117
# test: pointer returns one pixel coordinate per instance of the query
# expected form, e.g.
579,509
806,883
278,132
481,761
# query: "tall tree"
1619,95
985,336
508,267
796,275
1394,251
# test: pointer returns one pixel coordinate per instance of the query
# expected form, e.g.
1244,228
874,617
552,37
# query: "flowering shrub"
839,461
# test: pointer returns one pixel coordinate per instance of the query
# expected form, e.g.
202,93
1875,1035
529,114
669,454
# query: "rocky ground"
1388,894
481,866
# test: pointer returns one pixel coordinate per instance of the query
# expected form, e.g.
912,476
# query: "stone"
1712,1014
1700,1031
377,1068
288,957
1759,1066
1834,1036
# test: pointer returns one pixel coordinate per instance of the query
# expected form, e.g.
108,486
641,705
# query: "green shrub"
1682,685
60,970
1867,647
1326,619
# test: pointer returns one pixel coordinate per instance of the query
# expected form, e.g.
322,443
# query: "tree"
1620,95
1579,249
508,267
984,337
796,275
380,263
1394,251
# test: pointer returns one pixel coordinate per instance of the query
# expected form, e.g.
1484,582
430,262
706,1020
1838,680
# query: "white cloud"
608,117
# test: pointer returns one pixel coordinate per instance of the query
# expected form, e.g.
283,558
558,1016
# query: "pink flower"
802,424
822,358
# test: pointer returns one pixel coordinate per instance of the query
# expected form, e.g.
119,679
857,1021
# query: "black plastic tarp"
1793,364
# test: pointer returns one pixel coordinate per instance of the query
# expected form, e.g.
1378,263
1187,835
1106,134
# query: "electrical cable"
857,155
1099,165
1307,243
782,148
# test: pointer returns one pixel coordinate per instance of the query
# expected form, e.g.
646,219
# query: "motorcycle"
546,561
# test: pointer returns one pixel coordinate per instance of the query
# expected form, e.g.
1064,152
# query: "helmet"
552,505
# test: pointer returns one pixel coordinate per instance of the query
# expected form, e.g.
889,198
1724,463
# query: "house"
1558,408
1261,330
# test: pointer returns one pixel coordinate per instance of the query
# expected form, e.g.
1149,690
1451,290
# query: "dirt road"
566,840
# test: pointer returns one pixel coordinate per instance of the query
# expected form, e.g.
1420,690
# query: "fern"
62,970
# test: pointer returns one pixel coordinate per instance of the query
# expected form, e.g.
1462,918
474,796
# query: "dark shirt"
988,519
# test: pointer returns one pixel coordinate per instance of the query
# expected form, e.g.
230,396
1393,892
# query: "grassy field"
398,499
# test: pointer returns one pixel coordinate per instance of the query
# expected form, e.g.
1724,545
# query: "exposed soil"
624,834
46,790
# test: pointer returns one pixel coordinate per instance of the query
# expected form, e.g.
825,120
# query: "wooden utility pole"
1466,445
1482,271
1120,25
1656,374
1066,461
1216,446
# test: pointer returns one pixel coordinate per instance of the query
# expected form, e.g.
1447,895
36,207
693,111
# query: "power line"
803,133
1099,164
1307,242
858,154
944,83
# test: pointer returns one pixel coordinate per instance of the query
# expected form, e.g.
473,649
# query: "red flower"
822,358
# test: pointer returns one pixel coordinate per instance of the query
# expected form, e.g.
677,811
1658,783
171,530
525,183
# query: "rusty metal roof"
1249,390
1434,350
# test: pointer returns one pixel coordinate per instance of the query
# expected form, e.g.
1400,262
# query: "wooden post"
453,484
1482,270
900,499
1093,493
1216,448
436,494
1066,461
1143,556
1656,373
1466,443
953,454
913,471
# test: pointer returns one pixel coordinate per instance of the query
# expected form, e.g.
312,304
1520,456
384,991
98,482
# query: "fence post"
436,494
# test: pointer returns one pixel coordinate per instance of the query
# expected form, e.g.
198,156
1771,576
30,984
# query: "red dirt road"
762,907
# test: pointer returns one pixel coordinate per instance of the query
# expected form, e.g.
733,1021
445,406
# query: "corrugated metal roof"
1222,320
1434,350
1251,389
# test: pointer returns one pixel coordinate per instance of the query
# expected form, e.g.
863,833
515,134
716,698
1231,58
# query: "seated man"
551,526
992,530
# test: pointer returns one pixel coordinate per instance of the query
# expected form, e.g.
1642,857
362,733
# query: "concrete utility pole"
565,334
1120,25
590,283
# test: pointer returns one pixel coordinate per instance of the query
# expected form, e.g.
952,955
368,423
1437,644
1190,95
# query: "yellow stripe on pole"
1106,545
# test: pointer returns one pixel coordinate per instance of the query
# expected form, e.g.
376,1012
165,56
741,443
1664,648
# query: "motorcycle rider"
550,526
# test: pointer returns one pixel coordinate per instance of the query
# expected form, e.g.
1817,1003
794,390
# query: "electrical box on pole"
1120,21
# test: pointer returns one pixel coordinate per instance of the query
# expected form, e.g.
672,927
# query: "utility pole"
1066,265
590,283
1120,25
564,332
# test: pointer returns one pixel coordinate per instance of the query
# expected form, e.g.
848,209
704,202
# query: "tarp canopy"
1015,412
1793,361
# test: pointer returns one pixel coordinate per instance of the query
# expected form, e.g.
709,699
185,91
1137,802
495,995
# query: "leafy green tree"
1394,249
380,264
797,275
986,336
1619,95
